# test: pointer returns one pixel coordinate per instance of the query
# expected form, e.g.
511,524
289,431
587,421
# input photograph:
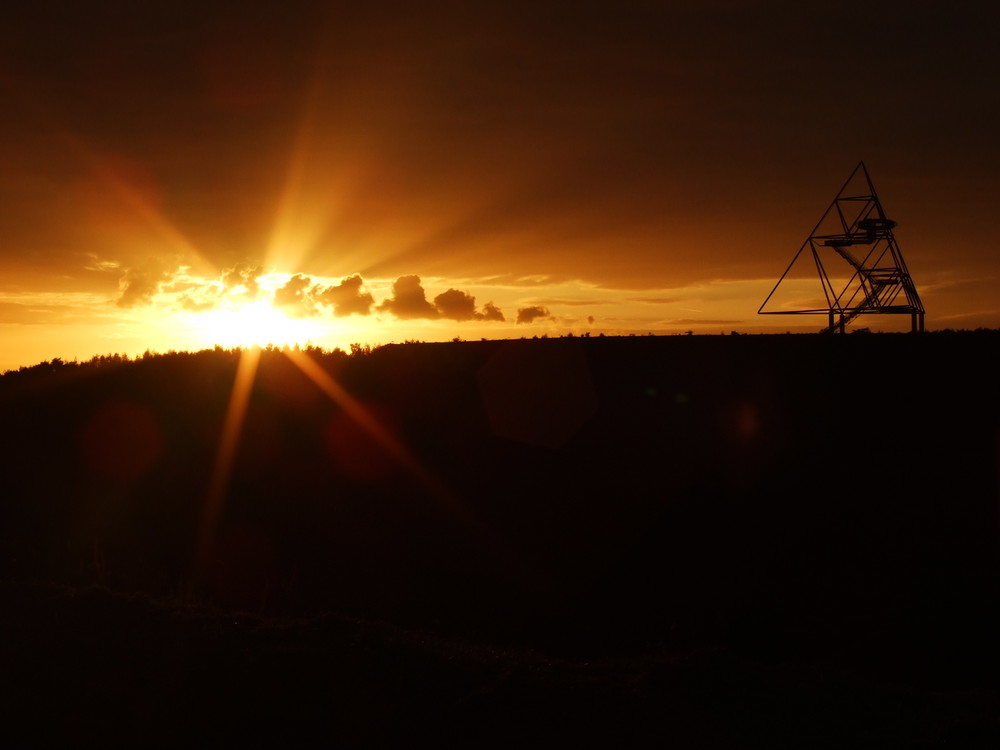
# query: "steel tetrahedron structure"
857,258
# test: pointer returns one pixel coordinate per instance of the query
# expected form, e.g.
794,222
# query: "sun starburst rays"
393,447
255,323
229,440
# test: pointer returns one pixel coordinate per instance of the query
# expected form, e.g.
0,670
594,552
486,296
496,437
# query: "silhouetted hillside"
794,496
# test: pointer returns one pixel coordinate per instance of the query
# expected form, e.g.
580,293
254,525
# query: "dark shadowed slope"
778,499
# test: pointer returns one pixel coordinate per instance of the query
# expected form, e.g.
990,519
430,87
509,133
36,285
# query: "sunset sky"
179,174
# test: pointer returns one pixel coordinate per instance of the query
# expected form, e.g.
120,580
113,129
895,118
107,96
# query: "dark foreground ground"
746,541
93,666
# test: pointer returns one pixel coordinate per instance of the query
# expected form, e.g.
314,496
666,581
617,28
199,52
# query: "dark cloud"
296,294
456,305
531,314
138,285
242,278
408,300
302,297
492,312
347,297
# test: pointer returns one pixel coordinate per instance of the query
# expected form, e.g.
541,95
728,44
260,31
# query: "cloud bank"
301,296
409,301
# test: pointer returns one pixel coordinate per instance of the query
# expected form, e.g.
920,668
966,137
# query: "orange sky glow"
177,176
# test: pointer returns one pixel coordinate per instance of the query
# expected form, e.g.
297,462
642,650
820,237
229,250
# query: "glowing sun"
256,323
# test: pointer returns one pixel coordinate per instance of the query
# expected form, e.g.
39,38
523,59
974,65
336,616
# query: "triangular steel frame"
880,282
